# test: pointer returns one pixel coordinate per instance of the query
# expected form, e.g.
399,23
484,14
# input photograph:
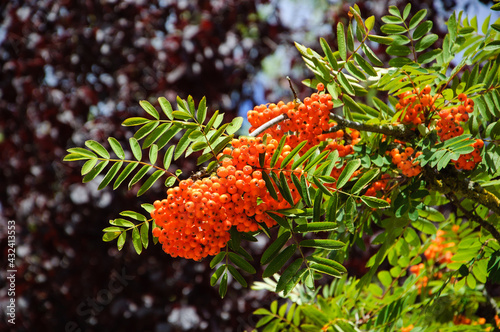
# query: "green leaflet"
277,263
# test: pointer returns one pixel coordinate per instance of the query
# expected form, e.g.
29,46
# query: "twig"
397,131
295,98
268,124
471,216
449,182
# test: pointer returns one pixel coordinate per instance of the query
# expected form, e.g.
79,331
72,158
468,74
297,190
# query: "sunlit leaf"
150,181
235,125
135,121
117,147
341,41
123,175
97,148
136,148
139,175
348,171
146,105
110,175
95,171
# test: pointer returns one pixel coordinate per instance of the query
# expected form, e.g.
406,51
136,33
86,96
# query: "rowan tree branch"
471,216
448,183
397,131
268,124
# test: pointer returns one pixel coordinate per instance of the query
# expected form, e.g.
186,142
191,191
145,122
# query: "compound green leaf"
235,125
135,121
374,202
417,18
145,235
341,41
241,263
121,240
288,274
139,175
239,278
366,178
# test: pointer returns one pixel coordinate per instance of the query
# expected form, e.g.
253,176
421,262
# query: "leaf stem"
139,162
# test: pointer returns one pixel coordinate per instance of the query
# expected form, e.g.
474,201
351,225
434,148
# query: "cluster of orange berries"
191,222
422,282
416,104
306,121
405,162
470,160
378,186
194,220
462,320
448,125
340,142
438,249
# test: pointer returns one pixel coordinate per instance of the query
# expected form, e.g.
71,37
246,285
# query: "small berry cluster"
340,142
462,320
416,104
378,186
194,220
470,160
306,121
405,162
438,250
448,125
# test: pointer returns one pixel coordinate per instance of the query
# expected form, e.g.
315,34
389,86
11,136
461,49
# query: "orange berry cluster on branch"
192,223
303,122
340,142
422,282
470,160
378,186
438,249
416,105
448,125
463,320
194,220
405,162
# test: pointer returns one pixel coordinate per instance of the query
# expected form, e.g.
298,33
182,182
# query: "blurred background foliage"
73,71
